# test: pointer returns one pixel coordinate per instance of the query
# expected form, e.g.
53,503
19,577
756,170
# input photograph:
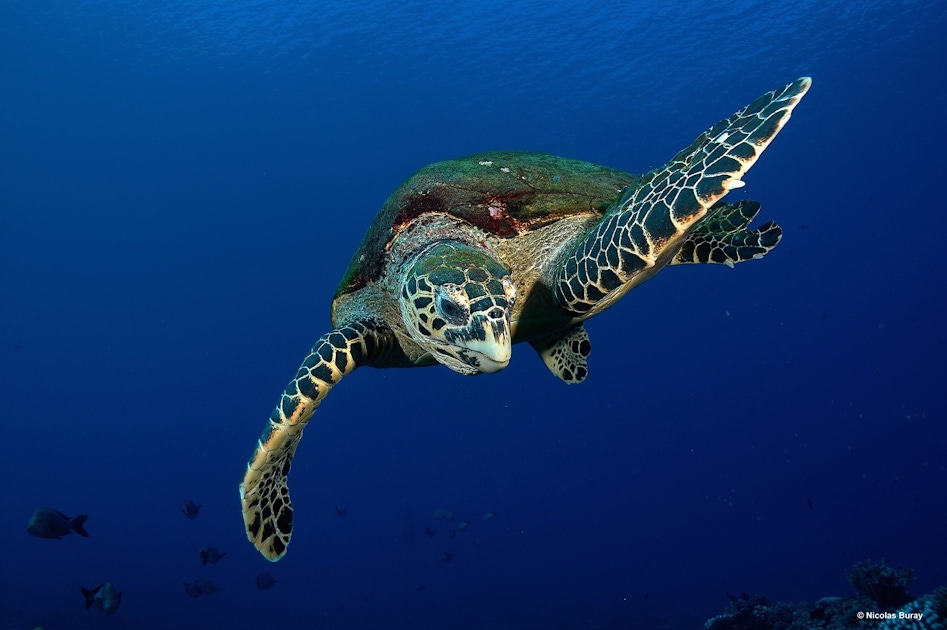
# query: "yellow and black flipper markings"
264,493
643,231
565,352
722,236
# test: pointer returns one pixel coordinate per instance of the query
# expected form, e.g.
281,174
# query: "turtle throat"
456,301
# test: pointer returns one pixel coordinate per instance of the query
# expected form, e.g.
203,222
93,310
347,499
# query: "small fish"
489,515
809,502
211,555
104,596
48,523
190,509
341,510
464,524
443,515
200,587
429,532
265,581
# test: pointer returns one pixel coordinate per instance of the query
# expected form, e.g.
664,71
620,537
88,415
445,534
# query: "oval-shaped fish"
190,509
211,555
200,587
265,581
104,596
49,523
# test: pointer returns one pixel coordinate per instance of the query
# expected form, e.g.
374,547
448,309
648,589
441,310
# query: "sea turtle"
470,256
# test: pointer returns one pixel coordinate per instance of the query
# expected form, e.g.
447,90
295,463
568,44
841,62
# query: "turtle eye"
450,307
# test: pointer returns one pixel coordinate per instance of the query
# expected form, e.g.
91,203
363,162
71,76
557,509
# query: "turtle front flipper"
723,238
565,352
645,228
264,493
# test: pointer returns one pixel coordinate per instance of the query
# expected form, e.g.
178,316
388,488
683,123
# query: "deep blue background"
182,184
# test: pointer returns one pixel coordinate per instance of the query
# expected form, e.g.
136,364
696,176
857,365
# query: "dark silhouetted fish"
200,587
48,523
341,510
211,555
104,596
190,509
265,581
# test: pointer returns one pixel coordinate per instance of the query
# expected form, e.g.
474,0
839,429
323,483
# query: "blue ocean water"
182,185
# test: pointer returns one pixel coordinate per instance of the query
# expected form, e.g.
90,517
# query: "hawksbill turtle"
470,256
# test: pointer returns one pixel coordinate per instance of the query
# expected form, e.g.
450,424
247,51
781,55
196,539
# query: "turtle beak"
496,347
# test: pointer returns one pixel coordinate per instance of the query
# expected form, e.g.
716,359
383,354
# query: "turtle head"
456,301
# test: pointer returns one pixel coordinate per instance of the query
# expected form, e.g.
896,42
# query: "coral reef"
883,596
883,584
931,608
759,613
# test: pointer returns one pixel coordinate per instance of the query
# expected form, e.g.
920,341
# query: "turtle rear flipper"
644,229
722,236
264,492
565,352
